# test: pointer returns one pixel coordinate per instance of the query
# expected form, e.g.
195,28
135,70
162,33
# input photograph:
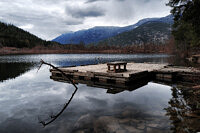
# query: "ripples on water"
26,97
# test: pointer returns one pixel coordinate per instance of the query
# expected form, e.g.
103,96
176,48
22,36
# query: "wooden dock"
177,74
137,75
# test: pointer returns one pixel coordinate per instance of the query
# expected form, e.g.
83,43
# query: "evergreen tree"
186,27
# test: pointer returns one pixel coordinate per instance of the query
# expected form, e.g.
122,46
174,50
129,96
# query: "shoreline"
24,51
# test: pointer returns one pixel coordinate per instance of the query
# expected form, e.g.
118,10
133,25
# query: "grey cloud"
45,25
121,0
50,18
91,1
97,102
82,12
73,22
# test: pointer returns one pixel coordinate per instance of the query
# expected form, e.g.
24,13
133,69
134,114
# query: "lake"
28,97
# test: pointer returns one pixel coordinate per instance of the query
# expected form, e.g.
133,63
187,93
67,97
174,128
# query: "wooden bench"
116,67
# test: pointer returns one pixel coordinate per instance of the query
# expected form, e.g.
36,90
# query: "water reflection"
31,97
54,117
110,87
34,95
12,70
81,59
184,110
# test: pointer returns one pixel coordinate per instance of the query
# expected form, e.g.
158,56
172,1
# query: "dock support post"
124,67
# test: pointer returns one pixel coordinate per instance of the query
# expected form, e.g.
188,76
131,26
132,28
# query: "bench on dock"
116,67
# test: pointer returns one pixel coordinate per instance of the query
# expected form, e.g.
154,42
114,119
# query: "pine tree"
186,28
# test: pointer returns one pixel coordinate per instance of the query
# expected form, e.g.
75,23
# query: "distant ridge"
152,32
99,33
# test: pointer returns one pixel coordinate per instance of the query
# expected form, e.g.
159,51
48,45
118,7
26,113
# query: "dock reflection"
111,88
183,108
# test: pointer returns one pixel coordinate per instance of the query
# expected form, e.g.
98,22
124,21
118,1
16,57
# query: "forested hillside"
12,36
148,33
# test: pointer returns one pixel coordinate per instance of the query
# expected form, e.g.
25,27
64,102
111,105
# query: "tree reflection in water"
13,70
184,110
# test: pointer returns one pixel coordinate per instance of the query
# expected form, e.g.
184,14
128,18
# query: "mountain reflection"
184,110
13,70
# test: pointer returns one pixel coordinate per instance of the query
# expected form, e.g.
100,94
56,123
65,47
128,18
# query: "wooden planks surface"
101,69
135,73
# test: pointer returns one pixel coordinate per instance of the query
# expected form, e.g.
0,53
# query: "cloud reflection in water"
32,95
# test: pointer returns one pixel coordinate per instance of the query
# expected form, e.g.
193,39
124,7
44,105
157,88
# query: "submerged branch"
54,117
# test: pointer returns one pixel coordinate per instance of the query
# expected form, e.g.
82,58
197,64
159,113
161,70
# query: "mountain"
12,36
152,32
96,34
91,35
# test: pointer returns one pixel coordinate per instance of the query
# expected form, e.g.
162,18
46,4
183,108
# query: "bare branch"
54,117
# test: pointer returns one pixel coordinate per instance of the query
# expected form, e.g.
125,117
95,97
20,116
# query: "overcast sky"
49,18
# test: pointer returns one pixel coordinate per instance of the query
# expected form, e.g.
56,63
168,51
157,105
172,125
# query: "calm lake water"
28,97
